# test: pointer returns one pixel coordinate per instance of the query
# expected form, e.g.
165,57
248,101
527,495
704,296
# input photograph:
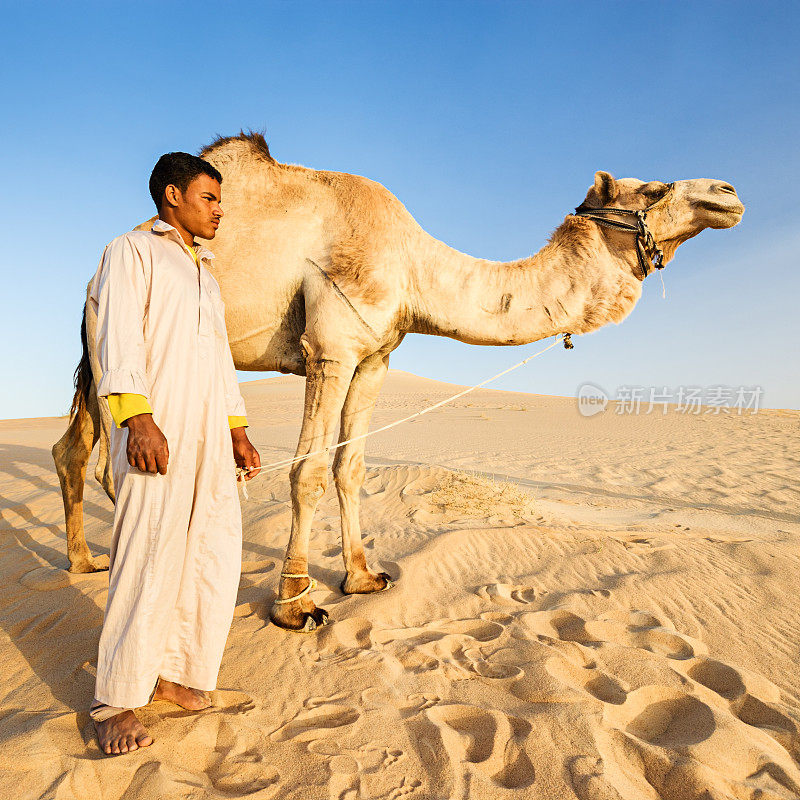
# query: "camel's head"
676,211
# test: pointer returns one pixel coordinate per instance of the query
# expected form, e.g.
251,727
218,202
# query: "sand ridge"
630,633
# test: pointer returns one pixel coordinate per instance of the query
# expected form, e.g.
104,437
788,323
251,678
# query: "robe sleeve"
120,292
124,406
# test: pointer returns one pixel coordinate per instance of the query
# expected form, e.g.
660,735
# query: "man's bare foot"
122,734
190,699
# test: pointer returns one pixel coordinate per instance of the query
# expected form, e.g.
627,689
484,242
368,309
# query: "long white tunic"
176,544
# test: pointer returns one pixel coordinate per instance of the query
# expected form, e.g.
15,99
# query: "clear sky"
488,120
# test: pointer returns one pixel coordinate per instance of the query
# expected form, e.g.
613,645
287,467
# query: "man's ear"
605,188
173,196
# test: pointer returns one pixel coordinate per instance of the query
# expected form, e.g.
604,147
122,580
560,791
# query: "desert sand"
593,608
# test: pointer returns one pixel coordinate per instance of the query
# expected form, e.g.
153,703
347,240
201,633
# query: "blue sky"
488,120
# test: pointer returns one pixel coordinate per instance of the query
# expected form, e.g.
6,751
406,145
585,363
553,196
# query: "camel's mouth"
723,215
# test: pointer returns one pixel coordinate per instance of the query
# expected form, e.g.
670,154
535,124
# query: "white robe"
177,538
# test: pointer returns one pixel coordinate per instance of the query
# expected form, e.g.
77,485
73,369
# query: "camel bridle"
647,249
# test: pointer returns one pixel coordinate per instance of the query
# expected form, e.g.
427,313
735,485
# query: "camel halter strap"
647,250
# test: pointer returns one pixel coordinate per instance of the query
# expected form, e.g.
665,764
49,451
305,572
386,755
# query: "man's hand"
245,455
147,446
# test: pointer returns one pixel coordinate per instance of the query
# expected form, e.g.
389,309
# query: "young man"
169,377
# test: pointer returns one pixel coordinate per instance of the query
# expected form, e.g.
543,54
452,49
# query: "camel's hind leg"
103,472
348,474
327,382
71,455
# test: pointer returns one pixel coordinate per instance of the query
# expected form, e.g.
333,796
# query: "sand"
593,608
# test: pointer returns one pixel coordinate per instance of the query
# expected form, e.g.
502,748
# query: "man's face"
198,208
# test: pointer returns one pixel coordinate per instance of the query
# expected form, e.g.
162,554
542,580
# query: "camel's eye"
654,189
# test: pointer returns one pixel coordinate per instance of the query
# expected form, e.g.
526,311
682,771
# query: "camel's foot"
89,564
366,582
293,617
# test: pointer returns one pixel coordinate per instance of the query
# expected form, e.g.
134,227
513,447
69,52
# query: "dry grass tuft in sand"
475,495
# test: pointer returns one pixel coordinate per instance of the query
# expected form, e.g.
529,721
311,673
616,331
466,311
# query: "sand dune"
601,608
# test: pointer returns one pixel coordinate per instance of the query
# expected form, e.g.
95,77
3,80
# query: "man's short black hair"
178,169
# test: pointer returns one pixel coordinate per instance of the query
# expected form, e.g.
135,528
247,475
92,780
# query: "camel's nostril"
726,187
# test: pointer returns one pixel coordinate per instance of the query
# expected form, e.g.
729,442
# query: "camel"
324,273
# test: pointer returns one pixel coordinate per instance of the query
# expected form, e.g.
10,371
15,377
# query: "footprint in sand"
406,787
345,781
239,766
348,766
752,699
415,703
443,644
349,643
497,665
628,629
663,716
232,703
669,740
347,634
372,758
573,650
482,746
599,685
673,722
587,775
314,723
507,594
481,630
232,753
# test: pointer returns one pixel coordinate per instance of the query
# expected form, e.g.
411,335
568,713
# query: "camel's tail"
83,382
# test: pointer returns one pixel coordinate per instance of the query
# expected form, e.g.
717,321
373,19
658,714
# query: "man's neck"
187,237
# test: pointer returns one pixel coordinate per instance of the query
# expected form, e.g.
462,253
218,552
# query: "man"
169,377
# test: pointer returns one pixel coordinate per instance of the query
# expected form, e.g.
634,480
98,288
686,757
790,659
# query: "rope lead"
288,462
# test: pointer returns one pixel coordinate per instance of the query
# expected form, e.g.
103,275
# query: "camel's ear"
605,188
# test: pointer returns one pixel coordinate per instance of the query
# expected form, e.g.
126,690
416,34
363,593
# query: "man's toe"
131,743
144,740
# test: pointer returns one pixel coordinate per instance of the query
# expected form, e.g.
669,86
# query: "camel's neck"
578,282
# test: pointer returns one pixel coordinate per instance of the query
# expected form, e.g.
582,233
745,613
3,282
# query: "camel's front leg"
327,382
348,473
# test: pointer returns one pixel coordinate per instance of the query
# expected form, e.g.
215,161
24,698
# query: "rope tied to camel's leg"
312,584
